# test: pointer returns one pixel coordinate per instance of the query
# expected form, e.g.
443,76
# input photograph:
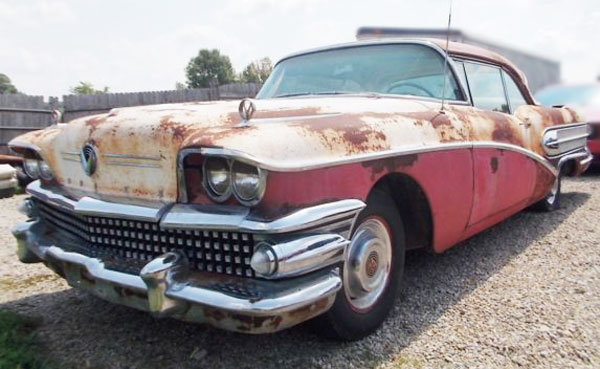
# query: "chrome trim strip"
35,189
182,216
573,156
119,156
129,164
281,166
563,126
553,144
306,254
28,146
94,207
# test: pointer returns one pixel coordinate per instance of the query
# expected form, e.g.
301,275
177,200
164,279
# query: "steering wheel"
409,84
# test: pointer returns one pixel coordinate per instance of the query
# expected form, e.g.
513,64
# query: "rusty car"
586,98
302,202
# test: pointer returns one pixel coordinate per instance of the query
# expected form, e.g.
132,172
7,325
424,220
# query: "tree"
209,65
258,71
87,88
6,86
180,86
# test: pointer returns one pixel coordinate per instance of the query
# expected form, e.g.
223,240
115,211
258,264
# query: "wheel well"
412,204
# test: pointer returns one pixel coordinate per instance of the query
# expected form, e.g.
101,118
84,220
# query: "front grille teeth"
210,251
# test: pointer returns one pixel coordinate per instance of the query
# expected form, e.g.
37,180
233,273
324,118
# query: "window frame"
502,72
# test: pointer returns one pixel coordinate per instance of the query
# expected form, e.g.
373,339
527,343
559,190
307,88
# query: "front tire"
372,272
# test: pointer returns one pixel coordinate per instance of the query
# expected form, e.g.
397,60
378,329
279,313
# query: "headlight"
217,178
31,167
248,183
45,171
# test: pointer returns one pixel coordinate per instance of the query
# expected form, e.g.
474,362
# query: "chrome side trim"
306,254
183,216
284,166
561,139
119,156
128,164
35,189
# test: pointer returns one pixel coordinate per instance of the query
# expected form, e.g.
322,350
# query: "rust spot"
391,165
309,311
494,164
215,315
543,183
177,130
94,122
504,131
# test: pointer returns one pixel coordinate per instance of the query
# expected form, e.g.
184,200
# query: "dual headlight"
37,168
224,177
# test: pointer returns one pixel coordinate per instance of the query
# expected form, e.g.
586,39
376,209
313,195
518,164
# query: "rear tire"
372,272
552,201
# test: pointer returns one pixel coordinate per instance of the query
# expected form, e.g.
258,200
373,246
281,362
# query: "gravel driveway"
525,293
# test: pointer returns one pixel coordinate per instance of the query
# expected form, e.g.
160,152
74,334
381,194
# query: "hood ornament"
89,159
246,110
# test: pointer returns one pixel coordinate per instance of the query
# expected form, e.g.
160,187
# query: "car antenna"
445,76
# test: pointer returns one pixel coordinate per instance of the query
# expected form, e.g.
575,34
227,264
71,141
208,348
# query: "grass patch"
19,348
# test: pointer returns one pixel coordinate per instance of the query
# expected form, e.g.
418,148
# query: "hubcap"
368,264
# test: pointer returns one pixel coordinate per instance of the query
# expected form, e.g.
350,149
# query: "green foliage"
257,71
209,65
180,86
87,88
6,86
18,345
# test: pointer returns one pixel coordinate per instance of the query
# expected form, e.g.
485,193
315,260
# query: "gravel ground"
525,293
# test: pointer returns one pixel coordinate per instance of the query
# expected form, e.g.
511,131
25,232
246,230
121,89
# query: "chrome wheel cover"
368,264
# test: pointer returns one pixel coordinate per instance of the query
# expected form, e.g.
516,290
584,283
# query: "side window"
515,97
460,71
487,89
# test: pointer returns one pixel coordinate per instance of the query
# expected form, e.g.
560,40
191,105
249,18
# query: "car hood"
137,147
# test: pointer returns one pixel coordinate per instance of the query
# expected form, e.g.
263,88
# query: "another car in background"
586,99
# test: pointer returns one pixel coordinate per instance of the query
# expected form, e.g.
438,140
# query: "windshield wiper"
314,93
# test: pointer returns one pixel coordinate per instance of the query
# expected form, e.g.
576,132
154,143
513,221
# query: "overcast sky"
47,46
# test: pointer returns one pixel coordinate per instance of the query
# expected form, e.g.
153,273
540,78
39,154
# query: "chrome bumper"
167,287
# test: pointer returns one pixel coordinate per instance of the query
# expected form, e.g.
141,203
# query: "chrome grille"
210,251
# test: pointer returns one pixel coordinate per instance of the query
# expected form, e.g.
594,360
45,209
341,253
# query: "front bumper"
167,287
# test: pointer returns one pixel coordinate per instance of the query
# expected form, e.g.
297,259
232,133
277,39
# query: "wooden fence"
22,113
76,106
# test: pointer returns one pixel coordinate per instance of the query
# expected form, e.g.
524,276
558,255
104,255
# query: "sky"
48,46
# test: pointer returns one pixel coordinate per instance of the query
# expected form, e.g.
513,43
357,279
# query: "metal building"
540,71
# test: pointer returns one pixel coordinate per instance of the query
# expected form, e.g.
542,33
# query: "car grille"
210,251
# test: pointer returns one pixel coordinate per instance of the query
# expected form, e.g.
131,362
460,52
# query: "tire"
354,318
552,201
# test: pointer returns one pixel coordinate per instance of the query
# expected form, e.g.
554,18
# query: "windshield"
585,95
399,69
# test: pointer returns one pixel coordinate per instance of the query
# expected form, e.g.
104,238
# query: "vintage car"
257,215
586,97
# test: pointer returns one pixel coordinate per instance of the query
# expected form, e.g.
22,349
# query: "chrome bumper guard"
167,287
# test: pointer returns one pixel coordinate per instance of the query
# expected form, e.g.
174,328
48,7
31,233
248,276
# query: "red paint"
502,179
594,146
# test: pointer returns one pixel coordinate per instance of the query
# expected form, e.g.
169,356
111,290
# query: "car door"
503,178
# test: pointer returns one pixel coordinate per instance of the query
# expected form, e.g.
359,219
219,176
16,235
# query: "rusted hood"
137,147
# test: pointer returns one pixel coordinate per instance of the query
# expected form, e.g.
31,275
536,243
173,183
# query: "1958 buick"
259,215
